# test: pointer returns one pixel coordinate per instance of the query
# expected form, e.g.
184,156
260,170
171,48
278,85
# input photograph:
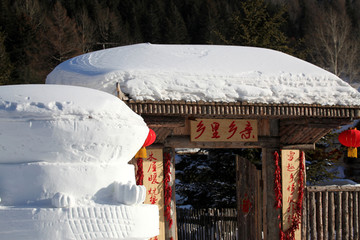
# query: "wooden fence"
331,212
207,224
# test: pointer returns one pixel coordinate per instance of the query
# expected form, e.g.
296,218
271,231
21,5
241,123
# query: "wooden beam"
184,142
316,122
300,146
332,188
161,133
164,125
241,109
164,121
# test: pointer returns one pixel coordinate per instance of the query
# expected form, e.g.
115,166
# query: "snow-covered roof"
209,73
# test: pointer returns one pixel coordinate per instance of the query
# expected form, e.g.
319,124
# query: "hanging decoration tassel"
352,152
141,153
278,193
139,172
168,189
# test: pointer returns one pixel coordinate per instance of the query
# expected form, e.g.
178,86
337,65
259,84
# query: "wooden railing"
206,224
331,212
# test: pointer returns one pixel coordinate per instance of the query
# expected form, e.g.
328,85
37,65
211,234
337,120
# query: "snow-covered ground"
205,72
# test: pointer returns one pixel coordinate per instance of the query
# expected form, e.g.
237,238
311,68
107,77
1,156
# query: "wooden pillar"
153,181
291,174
270,213
171,233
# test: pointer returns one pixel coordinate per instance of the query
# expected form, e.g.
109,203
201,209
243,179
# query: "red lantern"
150,138
351,139
148,141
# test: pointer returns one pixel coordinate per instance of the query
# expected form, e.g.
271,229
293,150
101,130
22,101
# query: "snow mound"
205,72
56,123
64,139
64,171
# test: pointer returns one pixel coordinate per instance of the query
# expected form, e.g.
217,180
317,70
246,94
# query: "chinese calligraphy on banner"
153,181
290,186
223,130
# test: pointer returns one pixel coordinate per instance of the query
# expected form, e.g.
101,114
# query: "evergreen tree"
255,25
28,17
173,27
110,30
6,66
321,162
130,14
189,10
150,22
208,15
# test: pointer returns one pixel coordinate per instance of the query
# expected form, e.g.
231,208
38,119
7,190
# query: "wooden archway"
280,126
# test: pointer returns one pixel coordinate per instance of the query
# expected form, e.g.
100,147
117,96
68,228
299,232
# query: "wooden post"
345,217
292,162
153,179
171,232
338,212
319,216
356,215
313,216
326,214
270,213
332,216
351,215
304,216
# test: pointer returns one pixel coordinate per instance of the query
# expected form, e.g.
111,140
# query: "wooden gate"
248,200
207,224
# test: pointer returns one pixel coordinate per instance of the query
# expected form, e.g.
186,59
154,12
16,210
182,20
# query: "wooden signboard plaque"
223,130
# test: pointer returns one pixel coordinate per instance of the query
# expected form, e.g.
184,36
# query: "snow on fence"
207,224
331,212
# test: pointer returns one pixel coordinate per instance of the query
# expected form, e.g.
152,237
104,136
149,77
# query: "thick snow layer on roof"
205,72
